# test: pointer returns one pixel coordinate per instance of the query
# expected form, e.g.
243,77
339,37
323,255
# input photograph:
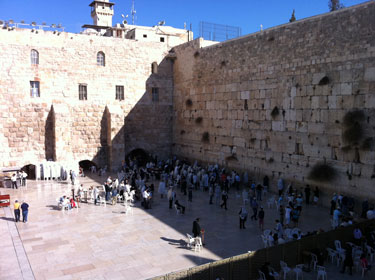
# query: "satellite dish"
33,23
124,22
11,21
53,25
161,22
59,25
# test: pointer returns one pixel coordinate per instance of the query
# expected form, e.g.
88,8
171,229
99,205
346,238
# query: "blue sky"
246,14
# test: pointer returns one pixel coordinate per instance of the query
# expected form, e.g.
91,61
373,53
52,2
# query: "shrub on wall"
275,112
322,172
206,137
189,103
198,120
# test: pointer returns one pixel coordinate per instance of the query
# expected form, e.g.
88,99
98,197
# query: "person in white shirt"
13,179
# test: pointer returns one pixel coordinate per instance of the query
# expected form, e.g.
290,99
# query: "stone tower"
102,12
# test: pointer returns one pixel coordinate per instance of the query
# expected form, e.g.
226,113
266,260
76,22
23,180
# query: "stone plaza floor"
103,242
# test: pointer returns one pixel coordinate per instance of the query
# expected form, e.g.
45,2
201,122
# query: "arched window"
34,55
154,68
100,59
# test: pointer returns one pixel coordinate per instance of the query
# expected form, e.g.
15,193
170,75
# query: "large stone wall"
314,71
58,125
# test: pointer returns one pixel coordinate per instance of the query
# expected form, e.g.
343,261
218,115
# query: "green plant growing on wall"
206,137
275,112
198,120
293,17
189,103
353,132
322,172
231,158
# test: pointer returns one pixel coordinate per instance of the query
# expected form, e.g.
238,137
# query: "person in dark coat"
348,262
196,228
307,194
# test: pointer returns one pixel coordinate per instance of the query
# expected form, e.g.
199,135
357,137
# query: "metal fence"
218,32
246,266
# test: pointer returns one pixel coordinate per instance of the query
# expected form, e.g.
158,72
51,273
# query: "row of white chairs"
195,242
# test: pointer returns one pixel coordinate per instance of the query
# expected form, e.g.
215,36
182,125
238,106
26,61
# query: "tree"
335,5
293,17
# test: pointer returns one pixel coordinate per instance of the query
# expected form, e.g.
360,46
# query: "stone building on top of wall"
102,13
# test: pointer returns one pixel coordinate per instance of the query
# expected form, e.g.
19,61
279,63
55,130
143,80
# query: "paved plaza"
103,242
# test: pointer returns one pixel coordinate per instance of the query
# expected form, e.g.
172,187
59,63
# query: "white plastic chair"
284,268
265,241
270,201
332,254
102,201
298,270
198,244
314,261
321,273
190,241
370,252
261,275
288,234
177,210
266,232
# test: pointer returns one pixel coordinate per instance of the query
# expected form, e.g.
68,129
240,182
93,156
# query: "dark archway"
86,164
30,170
140,155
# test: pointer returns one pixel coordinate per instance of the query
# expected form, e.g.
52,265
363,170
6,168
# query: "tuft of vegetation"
189,103
206,137
353,117
334,5
367,144
324,81
198,120
275,111
322,172
231,158
353,134
293,17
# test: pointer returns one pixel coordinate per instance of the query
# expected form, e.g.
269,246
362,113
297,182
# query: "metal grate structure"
218,32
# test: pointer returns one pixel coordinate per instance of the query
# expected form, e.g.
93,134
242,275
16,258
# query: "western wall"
285,101
57,125
295,101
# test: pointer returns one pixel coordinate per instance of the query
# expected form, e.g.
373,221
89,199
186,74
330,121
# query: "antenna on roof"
133,11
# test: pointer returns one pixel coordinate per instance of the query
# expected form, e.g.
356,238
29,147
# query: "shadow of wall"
50,136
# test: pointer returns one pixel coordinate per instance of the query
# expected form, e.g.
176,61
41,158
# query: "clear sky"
246,14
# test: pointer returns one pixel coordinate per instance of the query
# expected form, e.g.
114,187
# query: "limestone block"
245,95
278,126
369,74
240,142
346,89
346,76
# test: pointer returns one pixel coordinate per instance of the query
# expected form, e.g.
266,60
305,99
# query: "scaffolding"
218,32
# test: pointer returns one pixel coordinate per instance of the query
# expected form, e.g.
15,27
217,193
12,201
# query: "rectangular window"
161,39
82,90
119,33
144,35
120,93
34,89
155,94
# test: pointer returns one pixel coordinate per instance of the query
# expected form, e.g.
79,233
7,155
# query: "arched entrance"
30,170
86,164
140,155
